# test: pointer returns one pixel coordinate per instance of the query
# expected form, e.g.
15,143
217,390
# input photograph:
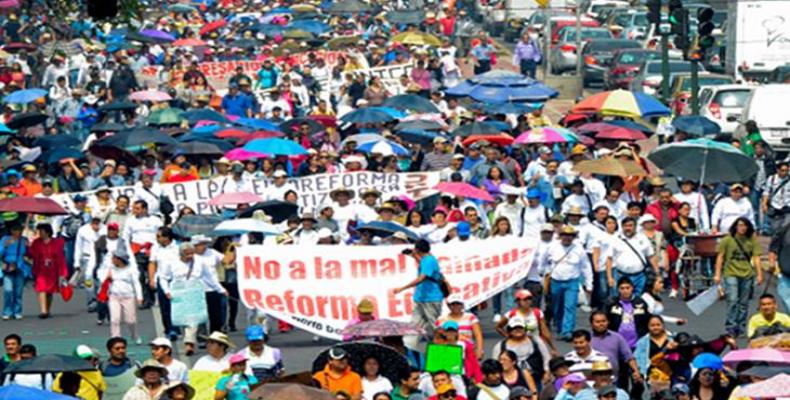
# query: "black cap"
558,362
422,246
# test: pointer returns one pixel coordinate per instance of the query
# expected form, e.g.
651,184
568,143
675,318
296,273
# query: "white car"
723,104
767,106
597,5
649,78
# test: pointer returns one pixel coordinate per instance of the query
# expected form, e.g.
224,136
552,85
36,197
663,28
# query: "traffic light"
679,20
705,28
102,9
654,11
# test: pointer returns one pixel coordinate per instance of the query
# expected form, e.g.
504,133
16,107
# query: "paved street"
71,325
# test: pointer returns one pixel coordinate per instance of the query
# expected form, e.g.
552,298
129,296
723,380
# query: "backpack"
71,225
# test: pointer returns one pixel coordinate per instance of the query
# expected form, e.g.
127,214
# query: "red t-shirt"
448,25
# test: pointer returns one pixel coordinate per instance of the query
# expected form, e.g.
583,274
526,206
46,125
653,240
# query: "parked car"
780,75
681,88
557,23
598,54
767,106
724,104
622,18
597,5
563,54
625,65
650,78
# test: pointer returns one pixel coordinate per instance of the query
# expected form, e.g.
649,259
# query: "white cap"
324,233
362,102
161,342
546,227
455,298
198,239
517,322
646,218
280,174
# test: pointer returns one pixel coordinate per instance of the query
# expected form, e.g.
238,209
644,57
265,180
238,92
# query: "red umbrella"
232,198
327,121
500,139
260,135
463,189
33,205
620,133
231,134
212,26
189,42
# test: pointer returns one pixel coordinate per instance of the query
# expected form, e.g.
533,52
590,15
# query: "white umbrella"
245,225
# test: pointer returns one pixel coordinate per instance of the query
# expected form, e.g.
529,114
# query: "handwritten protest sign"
317,288
188,303
313,190
118,385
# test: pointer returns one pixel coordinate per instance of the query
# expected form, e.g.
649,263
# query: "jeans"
600,289
233,303
528,68
783,290
738,292
69,253
13,285
217,310
164,308
638,279
564,299
503,301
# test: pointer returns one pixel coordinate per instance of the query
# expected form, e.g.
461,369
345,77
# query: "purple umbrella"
153,33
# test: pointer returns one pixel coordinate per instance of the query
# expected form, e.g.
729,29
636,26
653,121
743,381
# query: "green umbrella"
297,34
167,116
342,41
181,8
706,159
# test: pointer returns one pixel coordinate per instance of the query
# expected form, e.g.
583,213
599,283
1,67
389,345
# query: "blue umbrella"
275,146
16,392
206,129
54,156
51,141
267,29
310,25
223,145
366,116
387,229
392,112
417,136
203,114
630,124
410,102
24,96
488,93
5,129
505,108
384,147
260,124
696,125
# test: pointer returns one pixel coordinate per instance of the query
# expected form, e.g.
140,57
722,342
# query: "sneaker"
99,322
585,308
6,317
497,318
673,294
18,316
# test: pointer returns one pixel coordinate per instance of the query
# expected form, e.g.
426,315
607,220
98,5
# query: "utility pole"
694,86
579,61
547,44
654,16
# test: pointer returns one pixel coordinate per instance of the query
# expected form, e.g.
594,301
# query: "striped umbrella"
621,103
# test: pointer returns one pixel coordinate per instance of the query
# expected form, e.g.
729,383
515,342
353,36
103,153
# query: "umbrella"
476,128
419,124
181,8
189,42
773,388
696,125
384,147
158,35
314,27
197,148
118,106
203,114
361,138
392,112
348,7
712,161
191,225
627,123
54,156
620,134
114,153
150,95
622,103
499,140
232,198
261,124
544,135
24,96
6,129
500,86
417,38
275,146
107,127
16,392
26,120
382,327
610,167
387,229
410,102
51,141
9,4
17,46
408,17
244,43
297,34
463,189
134,138
231,133
245,225
290,391
292,126
259,135
417,136
504,108
243,155
166,116
767,354
392,363
48,363
212,26
329,121
366,116
342,41
33,205
277,209
303,8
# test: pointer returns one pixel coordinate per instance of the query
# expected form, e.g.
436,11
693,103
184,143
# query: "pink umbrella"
233,198
189,42
767,354
778,386
204,122
9,3
150,95
540,136
243,155
463,189
621,133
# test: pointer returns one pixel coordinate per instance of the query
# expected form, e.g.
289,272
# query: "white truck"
509,17
758,37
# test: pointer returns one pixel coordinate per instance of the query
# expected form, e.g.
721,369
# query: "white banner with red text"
317,288
312,190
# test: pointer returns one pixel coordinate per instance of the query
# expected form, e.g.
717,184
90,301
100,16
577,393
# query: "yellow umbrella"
417,39
611,167
342,41
303,8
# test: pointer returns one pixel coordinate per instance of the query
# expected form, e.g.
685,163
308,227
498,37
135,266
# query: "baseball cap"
547,227
463,229
237,358
365,306
280,174
113,226
444,388
523,294
516,322
337,353
255,332
558,362
455,298
84,352
161,342
450,325
680,388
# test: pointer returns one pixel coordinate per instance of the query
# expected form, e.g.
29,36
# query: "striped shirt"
778,195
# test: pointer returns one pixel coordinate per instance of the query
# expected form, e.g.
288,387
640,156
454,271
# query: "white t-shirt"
370,388
177,371
209,363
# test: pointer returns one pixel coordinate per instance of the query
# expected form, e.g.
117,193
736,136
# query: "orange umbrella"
501,139
212,26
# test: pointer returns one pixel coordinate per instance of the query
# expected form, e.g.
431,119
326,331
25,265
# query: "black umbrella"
410,102
55,155
391,363
196,149
26,119
48,363
136,137
223,145
115,153
419,124
476,128
349,7
191,225
107,127
203,114
292,125
118,106
277,209
53,141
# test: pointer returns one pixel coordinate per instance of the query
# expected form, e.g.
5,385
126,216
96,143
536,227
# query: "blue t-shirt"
428,291
241,389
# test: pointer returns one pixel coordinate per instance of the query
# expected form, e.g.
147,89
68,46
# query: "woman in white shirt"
125,293
372,381
653,287
217,359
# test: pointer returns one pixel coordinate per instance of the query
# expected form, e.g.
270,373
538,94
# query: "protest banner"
313,190
118,385
389,75
317,288
204,383
188,303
